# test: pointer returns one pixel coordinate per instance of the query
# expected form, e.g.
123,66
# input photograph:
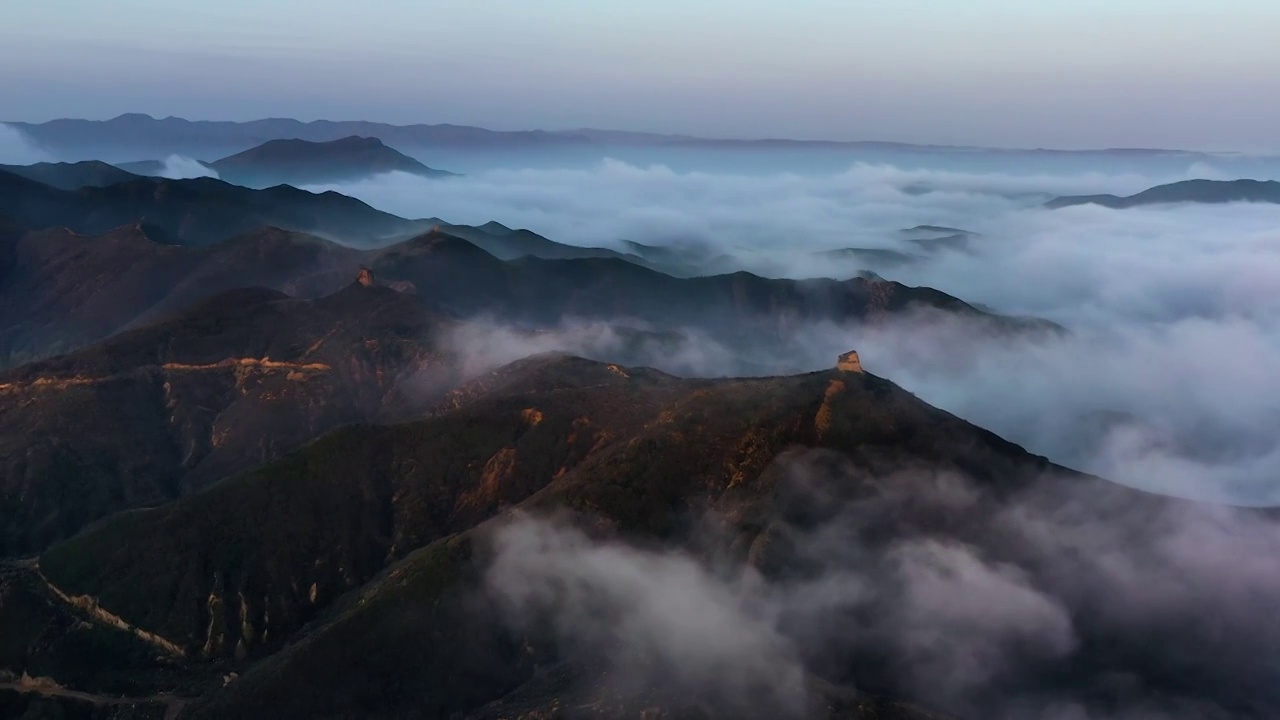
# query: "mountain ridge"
172,134
1186,191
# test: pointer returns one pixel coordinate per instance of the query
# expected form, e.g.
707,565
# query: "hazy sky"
1180,73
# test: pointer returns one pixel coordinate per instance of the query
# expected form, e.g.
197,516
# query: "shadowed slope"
198,211
71,176
60,291
228,384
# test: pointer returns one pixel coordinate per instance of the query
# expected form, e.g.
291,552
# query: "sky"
1194,74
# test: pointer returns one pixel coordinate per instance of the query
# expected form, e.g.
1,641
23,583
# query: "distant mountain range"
135,136
304,162
1188,191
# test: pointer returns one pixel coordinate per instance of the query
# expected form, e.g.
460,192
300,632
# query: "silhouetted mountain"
1188,191
468,281
926,231
300,162
60,291
231,383
71,176
506,244
198,211
932,238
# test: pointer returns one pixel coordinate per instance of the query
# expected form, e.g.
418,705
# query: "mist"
1067,600
16,149
178,167
1165,380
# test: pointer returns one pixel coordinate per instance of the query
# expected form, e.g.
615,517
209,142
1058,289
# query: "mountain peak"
359,141
304,162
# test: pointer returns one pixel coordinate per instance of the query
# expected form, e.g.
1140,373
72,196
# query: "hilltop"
71,176
1188,191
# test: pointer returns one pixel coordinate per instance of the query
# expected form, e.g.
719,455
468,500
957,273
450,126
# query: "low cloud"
656,620
1186,408
483,344
178,167
1067,600
17,149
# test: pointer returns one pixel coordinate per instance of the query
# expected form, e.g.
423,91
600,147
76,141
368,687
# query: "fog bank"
1065,601
17,149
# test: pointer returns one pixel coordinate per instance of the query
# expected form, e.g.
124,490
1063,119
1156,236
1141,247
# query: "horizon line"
672,137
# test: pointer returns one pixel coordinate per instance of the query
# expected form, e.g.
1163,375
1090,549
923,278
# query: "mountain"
467,281
133,135
1188,191
237,380
61,291
372,573
201,211
148,413
301,162
505,243
198,211
71,176
642,451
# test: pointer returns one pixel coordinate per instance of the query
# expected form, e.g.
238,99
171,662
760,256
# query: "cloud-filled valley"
1165,380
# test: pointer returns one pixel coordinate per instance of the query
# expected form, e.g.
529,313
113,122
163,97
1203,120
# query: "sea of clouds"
1166,380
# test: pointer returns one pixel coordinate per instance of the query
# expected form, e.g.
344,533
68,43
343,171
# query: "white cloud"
177,167
17,149
1063,600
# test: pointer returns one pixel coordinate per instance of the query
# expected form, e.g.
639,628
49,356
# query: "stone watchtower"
849,362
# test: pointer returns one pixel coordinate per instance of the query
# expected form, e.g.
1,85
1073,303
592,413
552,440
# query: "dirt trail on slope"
48,687
89,604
